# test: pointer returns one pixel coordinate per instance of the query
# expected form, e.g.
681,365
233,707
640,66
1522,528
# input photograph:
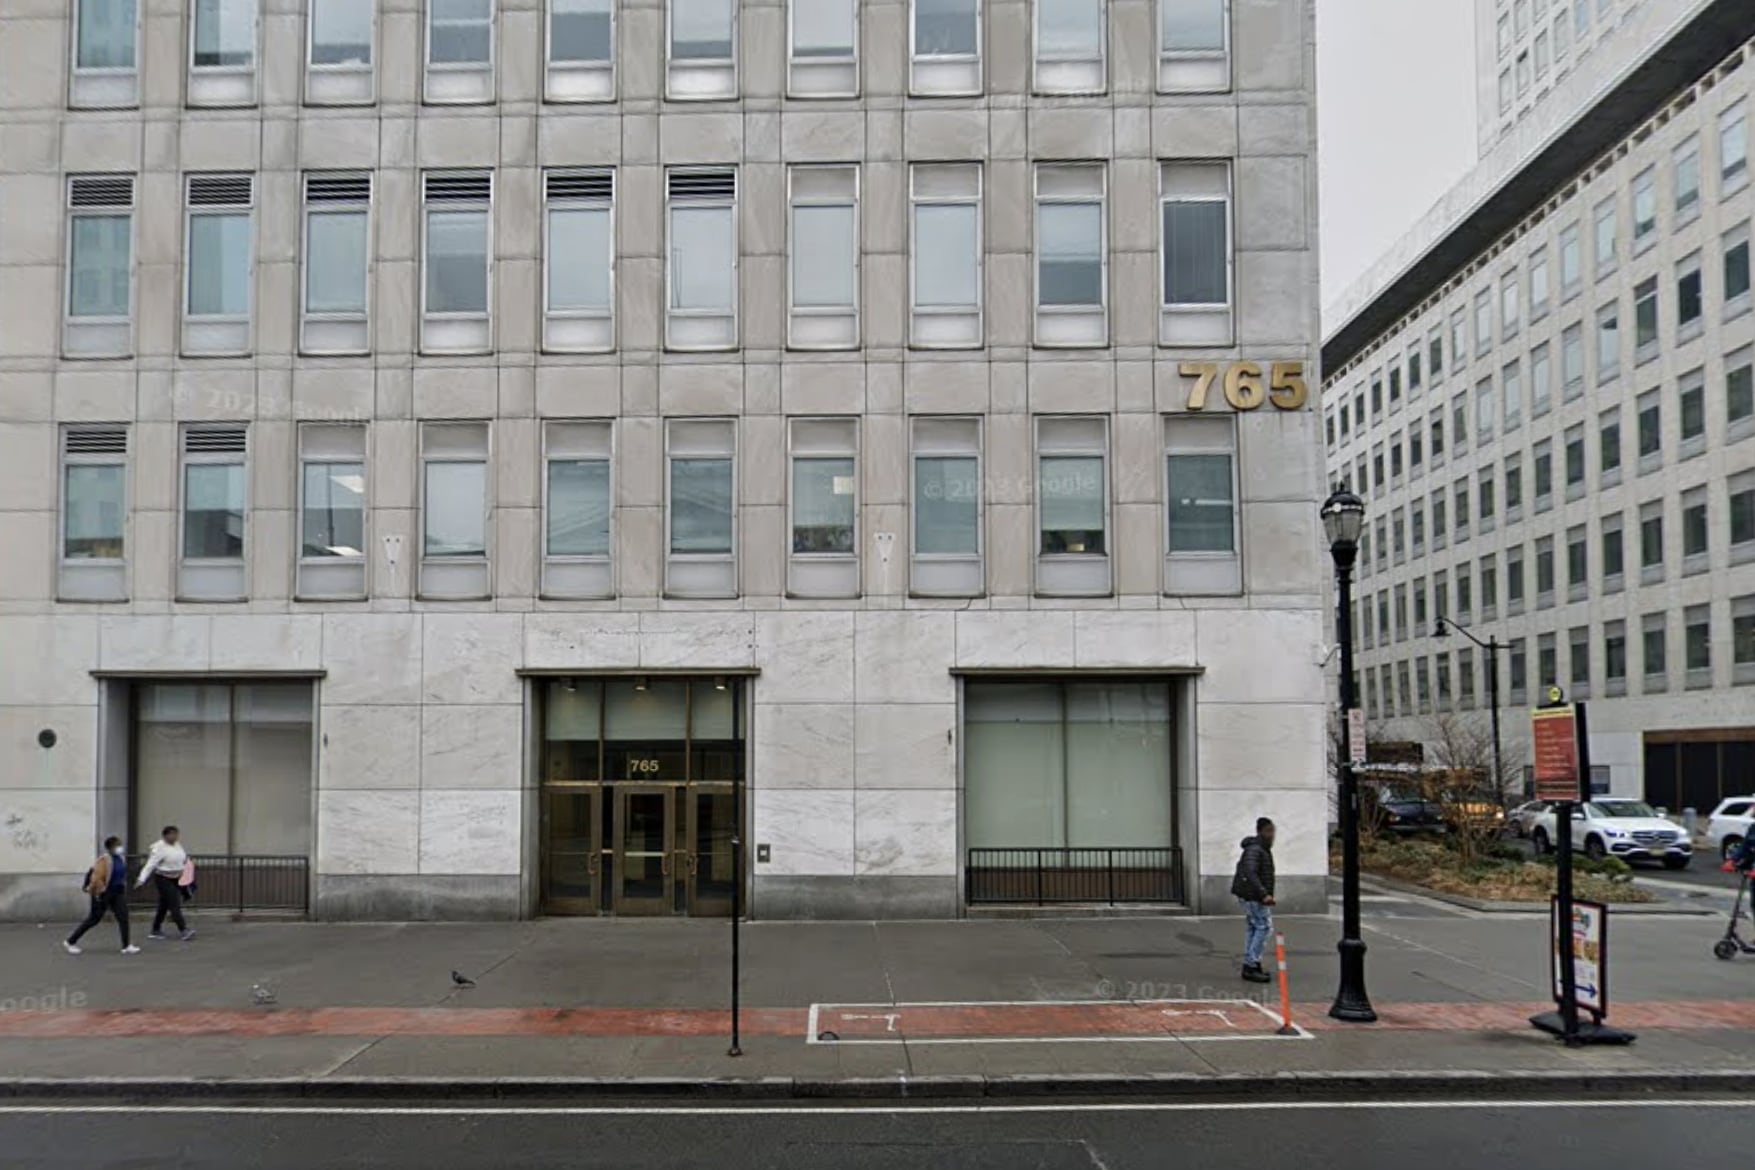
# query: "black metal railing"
241,883
1103,876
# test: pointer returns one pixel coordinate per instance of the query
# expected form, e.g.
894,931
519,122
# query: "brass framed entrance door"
712,866
572,823
645,850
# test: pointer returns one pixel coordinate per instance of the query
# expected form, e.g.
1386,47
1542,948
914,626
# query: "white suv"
1627,829
1730,823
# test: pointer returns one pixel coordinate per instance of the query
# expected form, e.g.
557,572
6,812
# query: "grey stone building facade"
484,453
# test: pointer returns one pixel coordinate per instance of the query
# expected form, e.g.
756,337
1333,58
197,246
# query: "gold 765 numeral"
1244,385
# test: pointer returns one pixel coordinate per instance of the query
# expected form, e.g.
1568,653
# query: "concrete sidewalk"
1097,1005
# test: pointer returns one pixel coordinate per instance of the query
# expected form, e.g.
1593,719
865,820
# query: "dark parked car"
1397,810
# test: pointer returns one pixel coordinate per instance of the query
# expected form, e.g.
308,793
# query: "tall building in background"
458,458
1546,393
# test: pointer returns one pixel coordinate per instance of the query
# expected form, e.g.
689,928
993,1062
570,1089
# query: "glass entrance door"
573,858
712,870
645,822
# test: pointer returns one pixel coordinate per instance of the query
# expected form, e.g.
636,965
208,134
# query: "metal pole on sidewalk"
736,918
1493,648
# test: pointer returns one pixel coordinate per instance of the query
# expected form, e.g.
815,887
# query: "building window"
455,506
99,321
1644,209
338,58
1572,361
1740,493
215,513
1614,551
1514,581
945,47
1511,380
1651,542
824,257
1459,422
1570,267
1733,148
1690,307
1050,765
1509,312
1605,236
1547,661
946,551
1486,498
338,263
1201,543
1736,271
1070,46
1072,257
218,265
824,502
93,565
1072,507
332,511
1544,572
945,256
1459,497
1414,372
1486,408
579,261
581,51
1651,436
1513,488
1483,322
1686,163
222,53
1740,393
457,230
1609,343
1435,356
1577,563
1615,657
1645,321
1743,639
702,60
578,507
1489,588
1196,254
1695,540
460,51
1539,285
1609,447
1697,645
1542,461
1578,661
106,48
703,250
1691,407
823,57
1194,46
701,511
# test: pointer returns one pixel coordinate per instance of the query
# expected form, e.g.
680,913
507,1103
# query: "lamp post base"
1351,1003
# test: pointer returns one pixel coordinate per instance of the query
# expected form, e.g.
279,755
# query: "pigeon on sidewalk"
462,980
261,995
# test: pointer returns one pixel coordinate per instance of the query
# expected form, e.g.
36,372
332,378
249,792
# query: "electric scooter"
1732,944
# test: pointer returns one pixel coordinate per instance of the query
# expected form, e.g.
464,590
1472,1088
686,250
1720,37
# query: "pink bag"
187,877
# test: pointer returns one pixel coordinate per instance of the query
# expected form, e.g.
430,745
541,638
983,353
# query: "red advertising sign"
1554,734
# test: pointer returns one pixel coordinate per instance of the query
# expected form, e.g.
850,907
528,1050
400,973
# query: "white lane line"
852,1110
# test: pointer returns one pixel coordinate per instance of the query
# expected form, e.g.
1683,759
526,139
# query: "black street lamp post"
1492,646
1343,520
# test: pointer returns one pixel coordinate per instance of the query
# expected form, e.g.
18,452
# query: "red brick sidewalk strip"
972,1022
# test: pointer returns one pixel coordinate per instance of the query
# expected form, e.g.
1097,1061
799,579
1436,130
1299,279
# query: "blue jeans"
1259,926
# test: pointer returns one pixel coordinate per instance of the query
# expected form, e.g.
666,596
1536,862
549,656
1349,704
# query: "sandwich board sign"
1588,936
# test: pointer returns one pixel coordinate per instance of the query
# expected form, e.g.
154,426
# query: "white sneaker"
186,935
130,950
71,949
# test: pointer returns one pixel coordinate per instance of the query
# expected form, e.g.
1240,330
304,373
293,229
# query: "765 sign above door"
1245,385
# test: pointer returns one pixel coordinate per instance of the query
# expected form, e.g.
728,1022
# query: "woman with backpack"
107,885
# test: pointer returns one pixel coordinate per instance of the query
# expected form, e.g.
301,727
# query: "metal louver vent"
220,190
107,191
338,188
703,184
206,440
474,187
96,441
581,185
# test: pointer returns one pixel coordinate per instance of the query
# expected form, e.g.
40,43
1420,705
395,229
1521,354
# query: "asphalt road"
1703,875
1377,1135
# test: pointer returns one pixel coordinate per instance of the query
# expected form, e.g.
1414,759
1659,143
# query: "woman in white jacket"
164,867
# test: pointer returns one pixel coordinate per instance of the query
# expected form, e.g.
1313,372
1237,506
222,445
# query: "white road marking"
853,1110
891,1012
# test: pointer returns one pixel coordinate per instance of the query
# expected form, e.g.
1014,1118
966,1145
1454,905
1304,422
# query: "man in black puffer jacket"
1254,887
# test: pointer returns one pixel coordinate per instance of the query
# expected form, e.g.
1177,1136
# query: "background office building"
476,452
1548,395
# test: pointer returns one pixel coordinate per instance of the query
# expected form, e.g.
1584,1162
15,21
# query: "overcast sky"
1395,121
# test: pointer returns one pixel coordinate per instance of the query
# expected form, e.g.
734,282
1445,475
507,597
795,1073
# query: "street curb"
1483,906
1037,1087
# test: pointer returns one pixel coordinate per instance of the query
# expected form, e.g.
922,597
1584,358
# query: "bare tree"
1463,779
